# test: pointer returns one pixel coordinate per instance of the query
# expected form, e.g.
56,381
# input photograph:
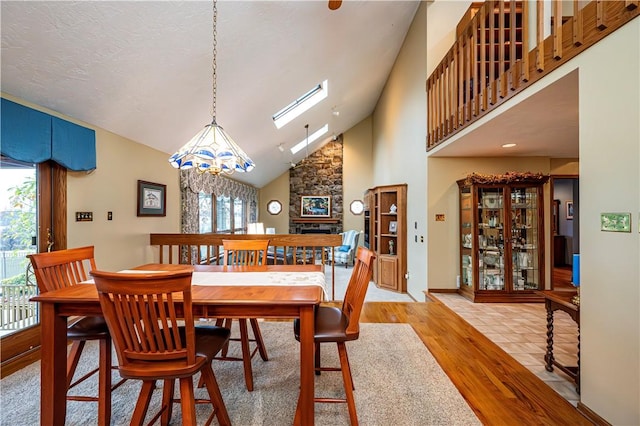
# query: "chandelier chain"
214,67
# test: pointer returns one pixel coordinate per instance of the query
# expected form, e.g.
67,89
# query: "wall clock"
356,207
274,207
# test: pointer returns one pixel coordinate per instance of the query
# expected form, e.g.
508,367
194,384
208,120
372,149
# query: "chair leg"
348,383
167,401
215,395
317,359
258,337
143,403
187,401
227,324
104,383
246,354
73,358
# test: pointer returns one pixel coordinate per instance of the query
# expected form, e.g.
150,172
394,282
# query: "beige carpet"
397,382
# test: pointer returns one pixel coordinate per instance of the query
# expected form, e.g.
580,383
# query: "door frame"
22,348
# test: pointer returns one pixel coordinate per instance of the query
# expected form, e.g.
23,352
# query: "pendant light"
212,150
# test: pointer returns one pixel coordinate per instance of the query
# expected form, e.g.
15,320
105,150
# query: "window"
302,104
312,138
225,216
238,216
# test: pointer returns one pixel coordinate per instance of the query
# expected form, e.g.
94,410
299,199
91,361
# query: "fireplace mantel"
314,220
321,225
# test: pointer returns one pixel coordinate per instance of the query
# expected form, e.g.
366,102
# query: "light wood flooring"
498,386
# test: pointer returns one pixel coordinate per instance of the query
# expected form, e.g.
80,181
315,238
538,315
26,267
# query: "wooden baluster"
439,132
577,23
483,57
524,74
492,53
557,29
467,77
540,36
451,94
429,112
474,63
460,82
502,66
601,22
513,70
445,96
454,86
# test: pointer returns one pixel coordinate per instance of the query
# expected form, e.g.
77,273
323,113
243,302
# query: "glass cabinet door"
524,237
491,249
466,235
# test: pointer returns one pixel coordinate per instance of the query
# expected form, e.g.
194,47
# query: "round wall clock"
356,207
274,207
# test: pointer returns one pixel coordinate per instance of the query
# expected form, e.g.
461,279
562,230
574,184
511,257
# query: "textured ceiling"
142,69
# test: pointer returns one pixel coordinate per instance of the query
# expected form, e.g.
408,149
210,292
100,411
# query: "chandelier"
212,150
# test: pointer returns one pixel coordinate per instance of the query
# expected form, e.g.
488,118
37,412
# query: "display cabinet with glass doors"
502,237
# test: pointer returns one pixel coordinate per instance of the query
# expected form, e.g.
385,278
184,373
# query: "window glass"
223,214
238,216
205,213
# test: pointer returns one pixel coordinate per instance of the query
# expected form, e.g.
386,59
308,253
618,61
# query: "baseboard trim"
592,415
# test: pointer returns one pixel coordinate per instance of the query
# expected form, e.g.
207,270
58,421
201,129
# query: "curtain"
35,137
192,183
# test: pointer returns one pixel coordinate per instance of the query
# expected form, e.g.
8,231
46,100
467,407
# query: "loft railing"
502,47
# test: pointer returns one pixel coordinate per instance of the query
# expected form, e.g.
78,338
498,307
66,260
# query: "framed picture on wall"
315,206
569,210
152,199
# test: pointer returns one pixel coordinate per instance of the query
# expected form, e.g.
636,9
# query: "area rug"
397,381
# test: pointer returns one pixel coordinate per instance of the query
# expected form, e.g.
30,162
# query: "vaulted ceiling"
143,69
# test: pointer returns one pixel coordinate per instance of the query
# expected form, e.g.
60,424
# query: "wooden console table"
561,300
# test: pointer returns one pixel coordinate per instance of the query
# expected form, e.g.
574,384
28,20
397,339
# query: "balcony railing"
502,47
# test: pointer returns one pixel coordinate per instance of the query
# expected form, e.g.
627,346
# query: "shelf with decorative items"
387,228
501,237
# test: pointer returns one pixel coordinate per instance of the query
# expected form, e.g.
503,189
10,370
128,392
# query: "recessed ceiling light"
508,145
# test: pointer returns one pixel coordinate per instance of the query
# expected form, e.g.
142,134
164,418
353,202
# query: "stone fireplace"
318,174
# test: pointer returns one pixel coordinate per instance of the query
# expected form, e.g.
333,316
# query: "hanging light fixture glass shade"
212,150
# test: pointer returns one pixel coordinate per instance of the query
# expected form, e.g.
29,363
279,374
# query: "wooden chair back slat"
357,288
140,310
63,268
245,253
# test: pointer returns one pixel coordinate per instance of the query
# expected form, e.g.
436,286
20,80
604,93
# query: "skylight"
312,138
302,104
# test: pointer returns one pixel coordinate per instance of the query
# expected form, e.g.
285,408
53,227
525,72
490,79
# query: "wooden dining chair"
250,253
340,325
64,268
154,342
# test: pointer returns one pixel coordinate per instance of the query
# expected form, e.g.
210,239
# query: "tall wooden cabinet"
502,237
388,235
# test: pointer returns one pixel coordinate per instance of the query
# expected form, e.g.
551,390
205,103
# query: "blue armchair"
346,252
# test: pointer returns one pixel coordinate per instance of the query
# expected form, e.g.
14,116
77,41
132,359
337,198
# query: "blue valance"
33,136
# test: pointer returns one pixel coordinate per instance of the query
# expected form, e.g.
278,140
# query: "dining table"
214,295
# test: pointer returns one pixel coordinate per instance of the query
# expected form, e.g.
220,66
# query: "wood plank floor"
499,389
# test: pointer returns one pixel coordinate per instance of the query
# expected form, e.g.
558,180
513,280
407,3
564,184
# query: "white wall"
357,173
609,182
399,144
124,241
